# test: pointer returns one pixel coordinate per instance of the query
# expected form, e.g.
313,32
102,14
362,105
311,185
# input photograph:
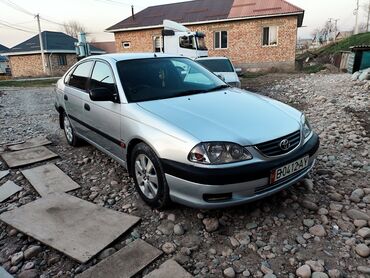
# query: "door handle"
87,107
65,97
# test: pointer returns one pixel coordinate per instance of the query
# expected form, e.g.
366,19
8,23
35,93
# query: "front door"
103,117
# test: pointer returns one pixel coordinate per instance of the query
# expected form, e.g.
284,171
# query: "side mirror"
102,94
239,71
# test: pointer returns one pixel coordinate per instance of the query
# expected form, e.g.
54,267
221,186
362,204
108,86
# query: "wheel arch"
131,145
61,112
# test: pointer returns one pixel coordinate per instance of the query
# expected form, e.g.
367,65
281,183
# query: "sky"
97,15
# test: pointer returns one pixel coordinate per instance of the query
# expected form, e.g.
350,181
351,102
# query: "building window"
270,36
220,39
158,44
126,44
62,60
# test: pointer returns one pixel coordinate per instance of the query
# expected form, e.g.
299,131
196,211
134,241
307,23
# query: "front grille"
272,148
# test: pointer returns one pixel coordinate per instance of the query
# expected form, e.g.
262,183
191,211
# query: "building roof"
3,48
207,11
54,42
108,47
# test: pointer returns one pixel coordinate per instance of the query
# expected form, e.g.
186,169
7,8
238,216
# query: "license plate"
289,169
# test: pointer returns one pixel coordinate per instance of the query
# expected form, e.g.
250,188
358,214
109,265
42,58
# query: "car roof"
212,58
131,56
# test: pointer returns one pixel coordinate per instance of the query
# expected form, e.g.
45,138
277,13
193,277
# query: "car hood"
230,115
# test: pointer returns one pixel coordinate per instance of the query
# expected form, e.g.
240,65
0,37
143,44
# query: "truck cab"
179,40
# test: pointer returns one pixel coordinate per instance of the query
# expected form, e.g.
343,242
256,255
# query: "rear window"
217,65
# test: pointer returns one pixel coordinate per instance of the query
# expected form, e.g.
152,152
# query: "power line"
51,21
18,25
16,28
17,7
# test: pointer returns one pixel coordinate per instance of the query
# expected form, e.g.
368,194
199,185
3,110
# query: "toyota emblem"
284,145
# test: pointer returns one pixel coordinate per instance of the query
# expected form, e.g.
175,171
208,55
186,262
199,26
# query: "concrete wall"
245,47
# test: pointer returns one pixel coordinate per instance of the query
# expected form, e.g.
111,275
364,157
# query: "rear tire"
69,132
148,174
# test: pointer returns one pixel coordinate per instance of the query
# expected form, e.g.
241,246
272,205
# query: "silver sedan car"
181,132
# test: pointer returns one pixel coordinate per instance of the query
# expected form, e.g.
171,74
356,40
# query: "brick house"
60,54
254,34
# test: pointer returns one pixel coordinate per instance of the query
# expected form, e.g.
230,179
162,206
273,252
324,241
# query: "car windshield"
159,78
217,65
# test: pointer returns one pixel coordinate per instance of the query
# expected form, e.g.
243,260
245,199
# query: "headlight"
306,128
218,153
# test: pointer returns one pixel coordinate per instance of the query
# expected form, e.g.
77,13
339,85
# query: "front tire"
69,132
148,174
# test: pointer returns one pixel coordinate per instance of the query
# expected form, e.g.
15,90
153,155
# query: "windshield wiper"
194,92
217,88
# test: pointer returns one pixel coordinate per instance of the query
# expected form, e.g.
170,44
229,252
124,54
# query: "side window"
187,42
102,77
80,76
68,75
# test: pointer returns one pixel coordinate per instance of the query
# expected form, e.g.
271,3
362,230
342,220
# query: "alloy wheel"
146,176
68,129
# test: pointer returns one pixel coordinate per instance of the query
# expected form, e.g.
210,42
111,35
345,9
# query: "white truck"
177,39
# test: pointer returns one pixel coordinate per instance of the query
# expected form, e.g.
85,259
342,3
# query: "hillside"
344,45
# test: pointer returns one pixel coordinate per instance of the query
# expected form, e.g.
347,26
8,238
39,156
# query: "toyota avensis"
182,133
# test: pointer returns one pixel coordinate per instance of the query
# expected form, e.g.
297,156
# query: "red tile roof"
251,8
192,12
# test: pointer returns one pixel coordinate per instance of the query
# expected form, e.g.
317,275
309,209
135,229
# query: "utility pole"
357,11
329,30
336,29
41,44
368,17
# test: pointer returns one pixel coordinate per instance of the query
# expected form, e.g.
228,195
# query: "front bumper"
216,188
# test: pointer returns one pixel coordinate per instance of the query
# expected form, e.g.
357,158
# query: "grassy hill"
344,45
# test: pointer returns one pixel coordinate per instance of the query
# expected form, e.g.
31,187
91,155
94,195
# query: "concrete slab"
3,174
31,143
28,156
125,263
49,178
8,189
4,273
75,227
169,269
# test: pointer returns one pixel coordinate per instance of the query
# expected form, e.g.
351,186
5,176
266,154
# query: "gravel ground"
320,226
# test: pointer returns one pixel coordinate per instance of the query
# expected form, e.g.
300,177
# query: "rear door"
103,117
74,93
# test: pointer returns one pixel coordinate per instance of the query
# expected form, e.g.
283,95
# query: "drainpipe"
51,64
